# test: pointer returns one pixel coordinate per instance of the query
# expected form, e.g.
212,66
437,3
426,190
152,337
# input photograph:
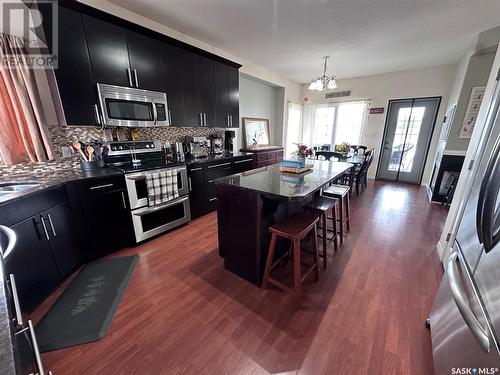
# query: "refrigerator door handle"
486,205
462,303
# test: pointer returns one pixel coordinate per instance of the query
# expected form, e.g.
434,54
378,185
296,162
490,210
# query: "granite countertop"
49,179
211,158
273,183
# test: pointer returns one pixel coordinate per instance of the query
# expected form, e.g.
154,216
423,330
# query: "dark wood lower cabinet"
32,263
107,222
202,176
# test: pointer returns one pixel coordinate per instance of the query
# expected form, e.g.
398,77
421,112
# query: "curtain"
23,131
294,127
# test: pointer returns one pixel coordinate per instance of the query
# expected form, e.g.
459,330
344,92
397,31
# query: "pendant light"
324,82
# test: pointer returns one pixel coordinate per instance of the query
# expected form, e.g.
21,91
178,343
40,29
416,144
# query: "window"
294,128
338,122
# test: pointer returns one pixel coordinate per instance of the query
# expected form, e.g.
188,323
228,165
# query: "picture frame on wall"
255,132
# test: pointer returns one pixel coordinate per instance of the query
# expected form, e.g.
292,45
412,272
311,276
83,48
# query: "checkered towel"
162,187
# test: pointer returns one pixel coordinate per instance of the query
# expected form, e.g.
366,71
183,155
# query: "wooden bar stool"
320,207
295,228
341,193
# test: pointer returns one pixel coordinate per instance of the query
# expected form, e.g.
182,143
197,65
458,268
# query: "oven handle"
147,210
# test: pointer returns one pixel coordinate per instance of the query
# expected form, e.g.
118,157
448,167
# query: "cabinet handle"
45,228
210,181
195,169
212,199
227,120
189,182
242,161
218,165
15,297
35,349
200,115
97,116
123,200
100,186
52,225
205,118
169,117
129,74
136,80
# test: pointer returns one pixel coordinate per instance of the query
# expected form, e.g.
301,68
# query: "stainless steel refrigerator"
465,318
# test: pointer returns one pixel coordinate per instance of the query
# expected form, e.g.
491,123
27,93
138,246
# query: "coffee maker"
216,146
230,144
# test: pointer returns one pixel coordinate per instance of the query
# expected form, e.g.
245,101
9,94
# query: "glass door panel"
407,137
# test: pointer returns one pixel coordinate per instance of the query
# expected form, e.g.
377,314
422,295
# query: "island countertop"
273,183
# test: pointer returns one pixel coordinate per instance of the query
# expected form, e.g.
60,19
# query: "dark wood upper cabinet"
173,61
206,89
107,44
192,99
202,89
233,89
221,96
145,61
74,73
226,95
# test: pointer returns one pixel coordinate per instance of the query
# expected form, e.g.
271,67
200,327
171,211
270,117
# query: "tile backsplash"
63,135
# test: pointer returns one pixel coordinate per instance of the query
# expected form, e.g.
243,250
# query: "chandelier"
324,82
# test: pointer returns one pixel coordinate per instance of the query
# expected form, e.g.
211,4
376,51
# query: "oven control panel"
117,148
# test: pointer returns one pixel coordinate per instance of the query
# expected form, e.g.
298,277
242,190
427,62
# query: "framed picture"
256,132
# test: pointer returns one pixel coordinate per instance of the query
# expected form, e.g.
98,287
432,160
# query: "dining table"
351,158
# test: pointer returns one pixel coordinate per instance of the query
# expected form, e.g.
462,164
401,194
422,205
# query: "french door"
407,136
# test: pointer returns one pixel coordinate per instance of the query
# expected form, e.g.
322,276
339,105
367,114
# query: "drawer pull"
195,169
212,199
243,161
52,225
100,186
45,229
15,297
210,181
218,165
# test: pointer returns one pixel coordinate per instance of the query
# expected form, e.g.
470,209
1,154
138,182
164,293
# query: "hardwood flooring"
184,314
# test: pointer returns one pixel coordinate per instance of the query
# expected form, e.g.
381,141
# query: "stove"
138,159
137,156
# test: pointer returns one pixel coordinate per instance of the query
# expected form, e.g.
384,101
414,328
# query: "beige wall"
292,90
379,89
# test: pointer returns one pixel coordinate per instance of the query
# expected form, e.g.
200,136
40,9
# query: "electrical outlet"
66,151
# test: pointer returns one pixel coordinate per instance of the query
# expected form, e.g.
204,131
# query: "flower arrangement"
343,147
303,151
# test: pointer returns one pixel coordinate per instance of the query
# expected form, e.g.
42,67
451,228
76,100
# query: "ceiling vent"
337,94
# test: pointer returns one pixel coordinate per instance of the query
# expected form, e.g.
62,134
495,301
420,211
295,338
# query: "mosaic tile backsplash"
64,135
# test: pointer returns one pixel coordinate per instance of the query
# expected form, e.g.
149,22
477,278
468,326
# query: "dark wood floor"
183,313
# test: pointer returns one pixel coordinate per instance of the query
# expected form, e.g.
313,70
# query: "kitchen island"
249,203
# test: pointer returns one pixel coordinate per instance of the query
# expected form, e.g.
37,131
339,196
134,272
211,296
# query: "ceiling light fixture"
324,82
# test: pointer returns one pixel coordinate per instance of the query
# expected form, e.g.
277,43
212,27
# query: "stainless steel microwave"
131,107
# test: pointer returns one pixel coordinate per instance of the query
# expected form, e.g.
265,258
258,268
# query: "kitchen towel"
162,187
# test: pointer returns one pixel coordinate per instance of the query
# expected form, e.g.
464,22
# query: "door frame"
440,98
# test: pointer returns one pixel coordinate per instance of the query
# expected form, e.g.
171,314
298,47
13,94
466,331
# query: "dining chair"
356,148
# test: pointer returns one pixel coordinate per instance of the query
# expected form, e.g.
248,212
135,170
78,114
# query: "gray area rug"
85,309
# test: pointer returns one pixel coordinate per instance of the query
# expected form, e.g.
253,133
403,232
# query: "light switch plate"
66,151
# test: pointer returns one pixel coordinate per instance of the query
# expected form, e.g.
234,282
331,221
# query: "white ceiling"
363,37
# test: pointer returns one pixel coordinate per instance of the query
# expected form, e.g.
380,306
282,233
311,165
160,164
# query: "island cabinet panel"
239,221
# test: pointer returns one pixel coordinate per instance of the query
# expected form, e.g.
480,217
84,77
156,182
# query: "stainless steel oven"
137,188
149,221
131,107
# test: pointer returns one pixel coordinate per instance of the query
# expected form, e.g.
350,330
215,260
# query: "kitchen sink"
12,187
